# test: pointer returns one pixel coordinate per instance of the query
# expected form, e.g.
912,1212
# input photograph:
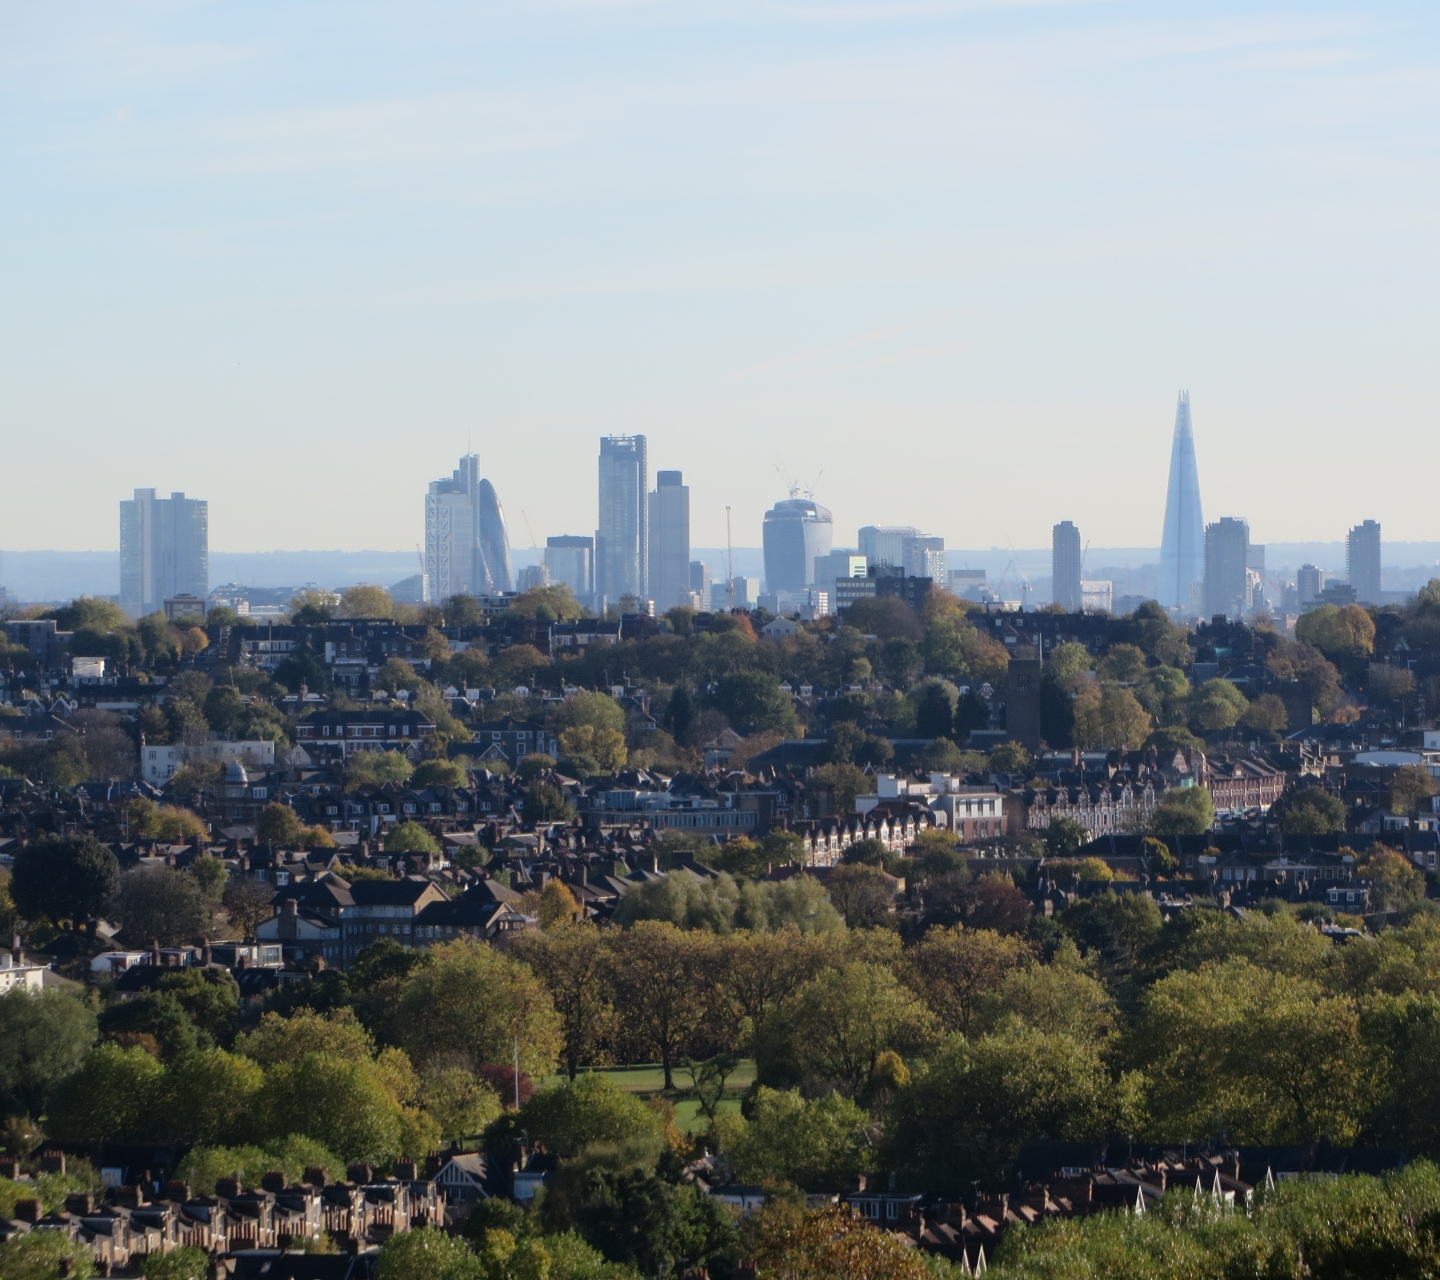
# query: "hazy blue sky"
291,256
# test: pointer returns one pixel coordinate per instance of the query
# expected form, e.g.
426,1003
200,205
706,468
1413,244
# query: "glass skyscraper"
622,541
467,551
1182,545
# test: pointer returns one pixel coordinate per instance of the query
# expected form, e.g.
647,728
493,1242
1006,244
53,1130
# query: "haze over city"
949,262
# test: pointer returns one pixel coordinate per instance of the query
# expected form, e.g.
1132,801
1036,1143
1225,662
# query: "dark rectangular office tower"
1362,561
622,540
669,541
164,550
1227,551
1065,589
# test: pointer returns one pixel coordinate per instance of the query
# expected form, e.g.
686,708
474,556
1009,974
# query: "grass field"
650,1078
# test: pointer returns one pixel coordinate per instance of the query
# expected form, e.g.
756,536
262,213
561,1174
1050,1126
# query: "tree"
1410,785
660,980
287,1040
791,1243
210,1097
554,603
638,1219
1313,811
462,1104
1114,928
247,903
429,1254
545,803
183,1263
842,781
468,1007
1157,852
757,971
558,906
967,1117
570,1117
831,1031
64,878
158,903
224,705
209,995
43,1038
210,874
111,1096
1165,693
1122,664
410,837
1185,811
1216,704
604,746
1012,758
279,825
1345,635
754,697
366,602
1058,998
375,768
1063,836
952,968
1266,714
820,1144
1258,1056
862,894
341,1102
439,773
935,702
42,1255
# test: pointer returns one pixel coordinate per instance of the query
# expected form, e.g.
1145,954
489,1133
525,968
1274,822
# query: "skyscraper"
467,551
1309,584
885,543
571,560
1362,561
1065,586
1227,588
1182,545
622,541
796,531
164,550
924,557
669,541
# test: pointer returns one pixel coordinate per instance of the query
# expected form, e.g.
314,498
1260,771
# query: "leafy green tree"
591,1109
159,903
1185,811
606,747
470,1004
1162,861
343,1103
1114,928
544,803
661,976
429,1254
1345,635
410,837
1122,663
462,1103
1012,758
682,900
1261,1057
279,826
43,1038
967,1117
183,1263
224,705
1313,811
375,768
951,969
211,1097
1058,999
1266,714
210,874
832,1030
797,903
43,1255
366,602
636,1218
156,1020
754,697
111,1096
819,1144
439,773
1216,704
598,710
935,702
280,1040
64,878
861,894
1063,836
571,960
210,996
1165,693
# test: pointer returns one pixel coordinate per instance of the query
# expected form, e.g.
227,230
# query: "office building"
1227,546
844,563
1183,541
924,557
622,540
1097,595
968,584
571,560
1065,589
164,550
467,550
885,543
1309,585
741,593
669,541
699,584
1362,561
532,576
797,531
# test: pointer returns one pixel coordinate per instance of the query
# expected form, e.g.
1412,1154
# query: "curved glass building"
494,545
796,531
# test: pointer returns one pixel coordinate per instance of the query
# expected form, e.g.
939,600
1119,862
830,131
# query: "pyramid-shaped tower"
1182,545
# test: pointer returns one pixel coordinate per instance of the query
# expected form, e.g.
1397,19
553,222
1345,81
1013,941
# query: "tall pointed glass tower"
1182,546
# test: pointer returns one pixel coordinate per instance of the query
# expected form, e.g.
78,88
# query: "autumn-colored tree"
952,968
1345,635
572,960
792,1243
1410,785
366,602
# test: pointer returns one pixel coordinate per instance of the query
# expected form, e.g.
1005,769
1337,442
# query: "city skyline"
988,224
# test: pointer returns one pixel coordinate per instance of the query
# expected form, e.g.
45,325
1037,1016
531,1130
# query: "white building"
159,763
15,972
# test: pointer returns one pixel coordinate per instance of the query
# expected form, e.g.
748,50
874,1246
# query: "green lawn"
650,1078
